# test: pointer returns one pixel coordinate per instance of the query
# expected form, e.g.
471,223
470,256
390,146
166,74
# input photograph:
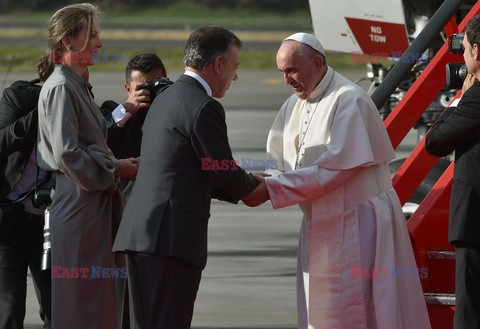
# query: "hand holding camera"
456,72
141,95
157,86
138,98
469,81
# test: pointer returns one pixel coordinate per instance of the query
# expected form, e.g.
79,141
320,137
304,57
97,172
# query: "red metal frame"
409,110
428,226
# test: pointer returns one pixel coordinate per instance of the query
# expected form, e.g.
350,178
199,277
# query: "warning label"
375,37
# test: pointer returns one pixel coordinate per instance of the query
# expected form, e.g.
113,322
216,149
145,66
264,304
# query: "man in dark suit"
125,136
21,223
164,226
458,129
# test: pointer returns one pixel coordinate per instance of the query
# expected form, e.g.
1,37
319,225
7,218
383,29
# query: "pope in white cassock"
356,267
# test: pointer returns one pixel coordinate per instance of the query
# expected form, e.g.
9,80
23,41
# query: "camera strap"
44,180
38,184
46,177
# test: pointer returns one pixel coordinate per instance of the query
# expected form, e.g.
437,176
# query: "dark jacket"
124,141
18,131
458,129
169,207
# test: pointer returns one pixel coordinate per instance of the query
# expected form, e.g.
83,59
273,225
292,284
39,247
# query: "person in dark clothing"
21,223
458,130
164,226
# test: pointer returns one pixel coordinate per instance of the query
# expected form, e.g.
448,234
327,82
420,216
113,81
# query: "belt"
367,183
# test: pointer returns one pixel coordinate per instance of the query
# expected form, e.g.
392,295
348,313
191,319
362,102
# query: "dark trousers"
162,291
21,247
122,303
467,287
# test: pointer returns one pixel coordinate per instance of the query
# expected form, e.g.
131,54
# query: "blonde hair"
67,21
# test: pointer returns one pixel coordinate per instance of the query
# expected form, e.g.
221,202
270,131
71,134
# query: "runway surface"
249,281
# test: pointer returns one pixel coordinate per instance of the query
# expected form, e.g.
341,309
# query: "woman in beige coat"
87,205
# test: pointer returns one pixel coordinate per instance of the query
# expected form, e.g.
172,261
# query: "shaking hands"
260,194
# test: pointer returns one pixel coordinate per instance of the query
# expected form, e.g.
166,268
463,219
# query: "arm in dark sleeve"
16,129
124,141
222,192
457,125
209,139
115,132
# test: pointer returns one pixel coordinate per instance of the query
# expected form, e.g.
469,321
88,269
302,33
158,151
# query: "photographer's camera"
157,86
42,197
455,44
456,72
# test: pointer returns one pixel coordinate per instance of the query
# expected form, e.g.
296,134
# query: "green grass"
24,59
180,14
185,15
19,59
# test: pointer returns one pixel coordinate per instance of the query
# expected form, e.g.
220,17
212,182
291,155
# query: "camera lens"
455,44
455,75
46,257
462,72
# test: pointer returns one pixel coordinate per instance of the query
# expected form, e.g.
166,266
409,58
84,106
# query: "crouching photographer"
458,130
21,223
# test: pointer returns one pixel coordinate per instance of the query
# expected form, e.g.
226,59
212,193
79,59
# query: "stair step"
439,299
441,254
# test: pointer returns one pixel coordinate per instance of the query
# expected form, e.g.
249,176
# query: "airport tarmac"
249,281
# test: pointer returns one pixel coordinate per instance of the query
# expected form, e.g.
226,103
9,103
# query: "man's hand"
128,167
260,194
138,98
469,81
259,176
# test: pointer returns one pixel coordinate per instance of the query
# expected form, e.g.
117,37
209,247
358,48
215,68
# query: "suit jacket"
169,207
458,129
18,132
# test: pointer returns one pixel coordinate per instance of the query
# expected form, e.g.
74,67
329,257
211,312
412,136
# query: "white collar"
321,88
201,80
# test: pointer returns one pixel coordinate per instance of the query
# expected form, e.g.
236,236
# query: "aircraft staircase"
428,226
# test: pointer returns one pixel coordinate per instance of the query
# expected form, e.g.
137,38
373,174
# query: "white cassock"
356,267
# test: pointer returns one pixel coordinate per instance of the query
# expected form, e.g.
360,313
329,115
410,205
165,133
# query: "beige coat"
86,205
